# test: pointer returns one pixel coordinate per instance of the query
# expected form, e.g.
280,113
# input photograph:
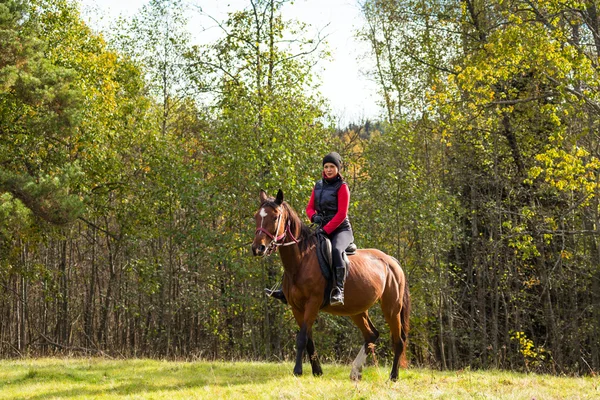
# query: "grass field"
150,379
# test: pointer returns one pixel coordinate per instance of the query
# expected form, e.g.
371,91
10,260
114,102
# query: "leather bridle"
277,240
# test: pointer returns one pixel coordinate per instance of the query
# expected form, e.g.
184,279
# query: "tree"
507,98
39,116
268,134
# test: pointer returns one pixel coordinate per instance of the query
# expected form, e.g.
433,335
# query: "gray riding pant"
340,240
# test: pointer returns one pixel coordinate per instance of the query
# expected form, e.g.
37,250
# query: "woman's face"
330,170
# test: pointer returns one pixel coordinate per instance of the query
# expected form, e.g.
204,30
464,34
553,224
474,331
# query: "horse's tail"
404,317
404,320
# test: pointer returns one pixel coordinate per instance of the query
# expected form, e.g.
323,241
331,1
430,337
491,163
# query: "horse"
372,277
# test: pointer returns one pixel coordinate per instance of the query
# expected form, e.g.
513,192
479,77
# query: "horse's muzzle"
259,250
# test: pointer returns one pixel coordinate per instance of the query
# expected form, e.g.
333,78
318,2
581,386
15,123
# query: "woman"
328,207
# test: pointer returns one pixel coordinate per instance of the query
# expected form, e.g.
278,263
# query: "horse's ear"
279,198
263,196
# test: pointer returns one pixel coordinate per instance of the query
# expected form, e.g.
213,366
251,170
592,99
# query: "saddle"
326,262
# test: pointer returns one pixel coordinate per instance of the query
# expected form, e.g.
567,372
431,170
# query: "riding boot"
337,294
277,294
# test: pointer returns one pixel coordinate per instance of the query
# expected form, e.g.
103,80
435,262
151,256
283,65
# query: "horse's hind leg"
370,335
399,336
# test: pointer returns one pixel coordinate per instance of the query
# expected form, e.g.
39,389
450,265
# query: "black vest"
326,200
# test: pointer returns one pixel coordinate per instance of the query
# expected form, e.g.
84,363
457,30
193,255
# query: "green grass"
150,379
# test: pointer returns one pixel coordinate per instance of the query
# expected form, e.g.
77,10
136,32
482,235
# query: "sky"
344,81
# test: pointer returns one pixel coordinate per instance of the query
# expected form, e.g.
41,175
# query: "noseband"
277,240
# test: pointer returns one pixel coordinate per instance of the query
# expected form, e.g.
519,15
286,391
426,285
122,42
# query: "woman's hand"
317,219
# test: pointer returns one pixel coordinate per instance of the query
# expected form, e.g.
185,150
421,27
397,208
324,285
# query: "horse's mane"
306,237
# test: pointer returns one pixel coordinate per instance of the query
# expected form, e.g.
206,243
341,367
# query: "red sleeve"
310,207
342,213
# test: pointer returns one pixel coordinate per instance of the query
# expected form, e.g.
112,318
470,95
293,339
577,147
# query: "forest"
131,162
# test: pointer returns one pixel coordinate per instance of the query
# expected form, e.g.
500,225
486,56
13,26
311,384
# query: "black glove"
317,219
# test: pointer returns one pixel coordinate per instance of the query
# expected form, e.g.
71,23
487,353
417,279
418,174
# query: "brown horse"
373,277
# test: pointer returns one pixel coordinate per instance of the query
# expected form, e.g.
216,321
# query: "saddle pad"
324,256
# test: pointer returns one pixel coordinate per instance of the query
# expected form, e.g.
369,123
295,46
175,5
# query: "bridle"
277,240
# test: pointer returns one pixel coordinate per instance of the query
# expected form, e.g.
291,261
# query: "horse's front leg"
304,340
301,341
314,358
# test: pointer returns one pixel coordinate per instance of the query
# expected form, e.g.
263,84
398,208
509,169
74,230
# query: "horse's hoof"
297,372
355,376
393,378
318,372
